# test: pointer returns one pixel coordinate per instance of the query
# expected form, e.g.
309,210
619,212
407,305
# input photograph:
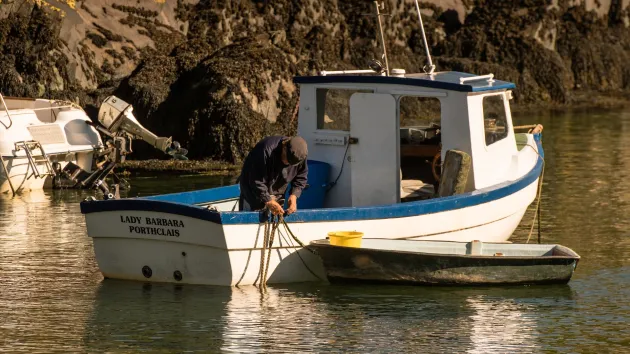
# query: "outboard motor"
116,116
119,124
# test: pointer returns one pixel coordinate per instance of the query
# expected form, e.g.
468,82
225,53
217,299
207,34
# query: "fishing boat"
376,140
419,262
53,143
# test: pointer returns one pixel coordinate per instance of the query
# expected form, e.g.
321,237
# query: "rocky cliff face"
217,75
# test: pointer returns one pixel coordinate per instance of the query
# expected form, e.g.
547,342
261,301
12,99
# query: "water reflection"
405,319
156,317
53,298
45,260
300,317
517,330
586,191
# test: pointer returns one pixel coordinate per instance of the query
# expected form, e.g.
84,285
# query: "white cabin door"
375,176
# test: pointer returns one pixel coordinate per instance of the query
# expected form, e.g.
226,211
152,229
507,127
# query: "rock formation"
217,75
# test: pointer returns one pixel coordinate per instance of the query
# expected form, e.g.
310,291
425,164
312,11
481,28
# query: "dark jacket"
264,175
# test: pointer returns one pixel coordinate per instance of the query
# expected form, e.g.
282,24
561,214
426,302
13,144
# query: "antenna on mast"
380,27
431,67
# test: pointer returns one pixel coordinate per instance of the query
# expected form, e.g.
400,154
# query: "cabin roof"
446,80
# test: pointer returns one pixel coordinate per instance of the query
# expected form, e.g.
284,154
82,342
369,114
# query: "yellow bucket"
345,238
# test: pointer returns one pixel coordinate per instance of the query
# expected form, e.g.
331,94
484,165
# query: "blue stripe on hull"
178,203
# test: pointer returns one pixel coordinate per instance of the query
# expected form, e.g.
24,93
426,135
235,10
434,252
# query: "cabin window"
333,108
422,112
420,119
494,119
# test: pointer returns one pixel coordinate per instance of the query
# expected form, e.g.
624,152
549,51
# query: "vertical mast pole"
380,27
431,67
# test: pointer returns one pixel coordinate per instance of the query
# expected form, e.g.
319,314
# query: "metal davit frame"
4,165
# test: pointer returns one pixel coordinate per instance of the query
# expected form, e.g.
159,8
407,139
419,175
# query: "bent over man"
274,162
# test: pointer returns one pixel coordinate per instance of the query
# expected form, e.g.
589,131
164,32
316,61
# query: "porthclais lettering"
145,230
155,226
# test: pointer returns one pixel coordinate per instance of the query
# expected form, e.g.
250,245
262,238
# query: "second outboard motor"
118,123
116,116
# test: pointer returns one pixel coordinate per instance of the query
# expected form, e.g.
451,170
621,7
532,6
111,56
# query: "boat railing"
489,78
6,109
343,72
50,108
54,105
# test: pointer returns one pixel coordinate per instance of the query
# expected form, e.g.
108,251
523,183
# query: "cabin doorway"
420,146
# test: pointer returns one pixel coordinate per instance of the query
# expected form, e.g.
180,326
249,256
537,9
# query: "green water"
53,298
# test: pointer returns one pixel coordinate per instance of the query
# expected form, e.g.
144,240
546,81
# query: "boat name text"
151,223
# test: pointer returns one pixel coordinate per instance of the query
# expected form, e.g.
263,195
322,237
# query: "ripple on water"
52,297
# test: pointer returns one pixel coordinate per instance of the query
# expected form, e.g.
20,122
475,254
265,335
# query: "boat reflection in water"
44,272
501,324
301,317
136,316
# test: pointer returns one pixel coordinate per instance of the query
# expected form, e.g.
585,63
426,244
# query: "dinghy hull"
347,264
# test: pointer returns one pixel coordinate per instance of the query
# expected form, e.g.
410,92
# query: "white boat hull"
23,179
21,175
204,252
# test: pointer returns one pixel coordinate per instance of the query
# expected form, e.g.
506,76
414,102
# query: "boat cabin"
384,136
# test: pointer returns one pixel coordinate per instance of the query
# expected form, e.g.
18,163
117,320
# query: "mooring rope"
299,255
286,227
539,195
262,255
249,256
271,227
270,239
265,253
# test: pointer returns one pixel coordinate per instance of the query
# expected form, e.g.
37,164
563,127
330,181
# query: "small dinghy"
447,263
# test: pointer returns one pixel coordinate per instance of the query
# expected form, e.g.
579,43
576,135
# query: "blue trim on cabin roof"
175,203
448,80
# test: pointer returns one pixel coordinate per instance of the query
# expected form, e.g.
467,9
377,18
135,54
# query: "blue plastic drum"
313,196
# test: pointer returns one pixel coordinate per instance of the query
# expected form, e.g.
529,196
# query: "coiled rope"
271,227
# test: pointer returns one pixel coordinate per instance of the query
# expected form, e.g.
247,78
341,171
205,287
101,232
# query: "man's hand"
274,207
292,204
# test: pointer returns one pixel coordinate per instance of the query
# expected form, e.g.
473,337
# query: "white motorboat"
52,143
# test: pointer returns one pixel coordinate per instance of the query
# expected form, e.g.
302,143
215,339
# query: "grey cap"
297,150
